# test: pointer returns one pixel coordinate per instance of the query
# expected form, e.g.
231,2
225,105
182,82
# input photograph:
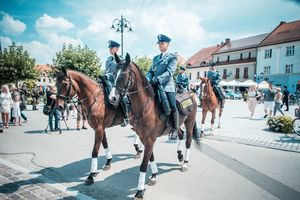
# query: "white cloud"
5,42
43,53
11,26
48,23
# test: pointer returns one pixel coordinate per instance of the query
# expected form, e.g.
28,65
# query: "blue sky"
43,26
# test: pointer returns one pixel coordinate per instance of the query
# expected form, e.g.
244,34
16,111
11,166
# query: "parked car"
230,94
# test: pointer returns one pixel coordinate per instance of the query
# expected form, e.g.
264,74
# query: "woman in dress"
5,104
252,99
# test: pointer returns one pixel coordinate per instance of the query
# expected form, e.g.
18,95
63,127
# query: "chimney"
227,40
282,22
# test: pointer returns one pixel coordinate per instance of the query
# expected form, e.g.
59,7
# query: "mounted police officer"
182,80
110,68
215,79
161,74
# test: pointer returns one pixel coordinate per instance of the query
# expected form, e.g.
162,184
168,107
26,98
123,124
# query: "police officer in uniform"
161,73
110,67
215,79
182,80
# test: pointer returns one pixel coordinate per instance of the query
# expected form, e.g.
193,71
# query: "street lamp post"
121,25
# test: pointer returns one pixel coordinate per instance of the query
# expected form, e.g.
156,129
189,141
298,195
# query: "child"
16,112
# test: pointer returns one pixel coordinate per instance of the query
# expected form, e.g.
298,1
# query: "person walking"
285,99
253,94
269,96
80,116
278,101
35,97
51,97
5,105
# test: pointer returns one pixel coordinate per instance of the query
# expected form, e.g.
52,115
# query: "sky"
42,27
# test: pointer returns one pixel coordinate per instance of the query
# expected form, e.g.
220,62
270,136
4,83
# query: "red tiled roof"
240,44
202,57
43,68
284,32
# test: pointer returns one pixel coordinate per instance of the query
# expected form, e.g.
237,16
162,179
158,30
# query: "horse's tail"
196,137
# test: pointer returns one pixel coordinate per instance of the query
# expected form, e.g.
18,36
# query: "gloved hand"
154,81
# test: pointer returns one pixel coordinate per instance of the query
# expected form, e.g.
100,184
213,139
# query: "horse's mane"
145,81
82,74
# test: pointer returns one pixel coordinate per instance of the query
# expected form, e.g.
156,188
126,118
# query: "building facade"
236,60
279,56
44,72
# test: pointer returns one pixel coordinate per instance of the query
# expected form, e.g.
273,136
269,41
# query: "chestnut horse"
209,103
129,80
99,116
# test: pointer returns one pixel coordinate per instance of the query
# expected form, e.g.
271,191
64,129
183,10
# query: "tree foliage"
144,63
78,58
16,65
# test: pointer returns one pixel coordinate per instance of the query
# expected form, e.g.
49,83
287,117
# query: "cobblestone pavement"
16,184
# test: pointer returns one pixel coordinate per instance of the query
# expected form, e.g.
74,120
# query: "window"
245,76
289,69
268,53
205,74
237,73
224,73
50,80
228,58
44,80
290,50
190,76
249,55
241,56
267,70
198,75
217,59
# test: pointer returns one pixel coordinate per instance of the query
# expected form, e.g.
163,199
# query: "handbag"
47,110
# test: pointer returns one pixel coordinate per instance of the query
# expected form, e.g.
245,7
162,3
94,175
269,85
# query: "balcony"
245,60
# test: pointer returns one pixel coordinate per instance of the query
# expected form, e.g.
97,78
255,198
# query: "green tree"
144,63
16,65
78,58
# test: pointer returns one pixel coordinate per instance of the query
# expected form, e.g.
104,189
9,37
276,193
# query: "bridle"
66,97
128,85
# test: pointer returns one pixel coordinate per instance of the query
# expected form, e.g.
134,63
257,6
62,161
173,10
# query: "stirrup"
173,135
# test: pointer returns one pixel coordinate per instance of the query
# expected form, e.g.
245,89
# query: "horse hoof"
202,134
89,181
139,195
180,158
137,156
183,169
106,167
219,126
152,182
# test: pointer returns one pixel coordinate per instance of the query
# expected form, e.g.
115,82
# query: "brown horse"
209,103
99,116
129,80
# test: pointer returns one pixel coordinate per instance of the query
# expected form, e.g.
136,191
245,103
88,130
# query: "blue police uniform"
182,81
161,72
215,79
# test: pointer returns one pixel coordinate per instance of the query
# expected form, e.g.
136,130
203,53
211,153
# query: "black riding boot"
125,112
175,120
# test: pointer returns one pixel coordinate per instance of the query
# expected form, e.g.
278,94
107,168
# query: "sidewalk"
16,183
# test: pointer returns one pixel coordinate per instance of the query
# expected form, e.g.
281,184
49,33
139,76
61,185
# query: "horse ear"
117,58
127,58
64,70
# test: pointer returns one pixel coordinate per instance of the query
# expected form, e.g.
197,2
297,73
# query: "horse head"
123,80
65,90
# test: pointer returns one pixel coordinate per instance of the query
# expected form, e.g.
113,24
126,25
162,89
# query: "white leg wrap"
187,155
107,153
136,139
153,167
94,165
202,127
179,144
142,178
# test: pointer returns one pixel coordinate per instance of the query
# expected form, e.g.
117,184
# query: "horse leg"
189,132
212,122
143,169
220,115
153,166
204,113
138,147
94,165
107,165
179,144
